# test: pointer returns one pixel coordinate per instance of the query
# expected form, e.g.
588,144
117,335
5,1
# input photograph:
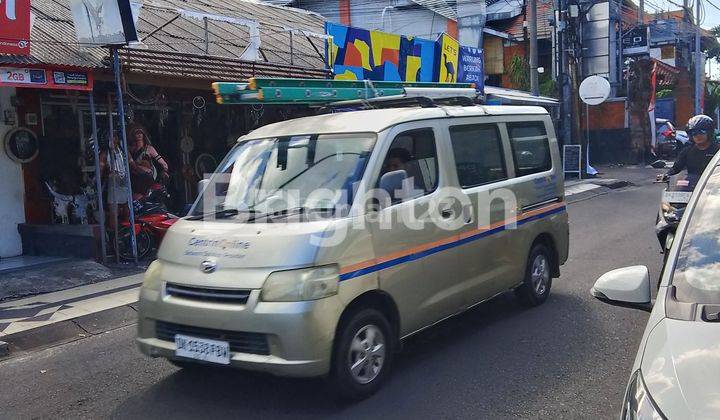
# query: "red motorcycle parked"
152,221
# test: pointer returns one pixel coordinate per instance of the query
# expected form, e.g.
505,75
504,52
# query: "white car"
676,374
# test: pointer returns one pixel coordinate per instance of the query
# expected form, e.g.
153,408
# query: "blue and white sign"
471,67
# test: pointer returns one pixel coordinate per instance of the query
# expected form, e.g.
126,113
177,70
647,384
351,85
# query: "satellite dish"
594,90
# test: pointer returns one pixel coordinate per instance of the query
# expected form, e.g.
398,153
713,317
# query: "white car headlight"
304,284
638,404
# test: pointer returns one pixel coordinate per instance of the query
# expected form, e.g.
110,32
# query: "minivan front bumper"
296,337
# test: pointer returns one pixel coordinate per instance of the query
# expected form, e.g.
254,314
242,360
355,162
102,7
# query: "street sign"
594,90
635,41
470,69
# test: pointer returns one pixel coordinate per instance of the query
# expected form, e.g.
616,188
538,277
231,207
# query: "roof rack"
344,93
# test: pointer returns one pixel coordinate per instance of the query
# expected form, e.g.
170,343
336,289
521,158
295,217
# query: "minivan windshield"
696,271
285,176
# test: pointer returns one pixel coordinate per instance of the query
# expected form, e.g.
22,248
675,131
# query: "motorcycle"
152,221
675,198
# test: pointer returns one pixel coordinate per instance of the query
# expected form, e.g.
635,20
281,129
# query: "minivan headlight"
638,404
304,284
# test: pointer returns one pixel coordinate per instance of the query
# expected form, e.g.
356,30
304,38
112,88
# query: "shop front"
181,121
165,80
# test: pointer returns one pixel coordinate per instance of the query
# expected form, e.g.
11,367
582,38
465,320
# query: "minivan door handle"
468,214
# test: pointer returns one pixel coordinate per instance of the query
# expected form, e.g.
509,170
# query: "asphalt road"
569,358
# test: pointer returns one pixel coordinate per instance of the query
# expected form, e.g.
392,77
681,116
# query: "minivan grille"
240,342
205,294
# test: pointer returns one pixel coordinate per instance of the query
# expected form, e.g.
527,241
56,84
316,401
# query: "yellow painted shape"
413,65
364,49
348,75
382,40
333,54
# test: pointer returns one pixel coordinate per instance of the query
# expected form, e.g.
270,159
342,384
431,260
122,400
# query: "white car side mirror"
628,287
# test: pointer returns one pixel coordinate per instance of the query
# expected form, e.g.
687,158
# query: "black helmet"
700,124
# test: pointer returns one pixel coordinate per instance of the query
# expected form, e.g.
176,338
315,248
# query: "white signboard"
23,76
104,22
594,90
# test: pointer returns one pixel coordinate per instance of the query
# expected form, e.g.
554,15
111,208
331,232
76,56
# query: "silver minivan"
320,243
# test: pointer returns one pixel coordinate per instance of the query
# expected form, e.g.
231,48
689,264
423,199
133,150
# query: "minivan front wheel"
363,354
538,277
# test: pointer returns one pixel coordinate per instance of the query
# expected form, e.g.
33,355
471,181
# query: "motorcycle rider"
694,159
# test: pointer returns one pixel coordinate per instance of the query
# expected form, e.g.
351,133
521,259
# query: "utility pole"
641,12
564,72
698,60
532,17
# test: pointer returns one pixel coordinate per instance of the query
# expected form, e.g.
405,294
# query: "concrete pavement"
569,358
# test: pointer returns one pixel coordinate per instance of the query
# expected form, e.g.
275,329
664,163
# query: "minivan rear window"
530,147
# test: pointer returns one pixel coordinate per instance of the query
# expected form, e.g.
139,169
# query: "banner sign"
104,22
46,79
15,27
448,63
472,68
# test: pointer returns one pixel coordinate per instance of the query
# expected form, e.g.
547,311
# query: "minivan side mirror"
628,287
393,182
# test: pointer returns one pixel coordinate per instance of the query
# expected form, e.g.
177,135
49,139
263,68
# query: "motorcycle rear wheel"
144,244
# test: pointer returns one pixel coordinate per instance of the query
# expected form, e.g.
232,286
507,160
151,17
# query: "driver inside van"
396,160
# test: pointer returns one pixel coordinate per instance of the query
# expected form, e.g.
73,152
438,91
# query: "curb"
15,345
612,184
585,195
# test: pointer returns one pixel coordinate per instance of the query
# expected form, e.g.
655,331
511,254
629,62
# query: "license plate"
212,351
677,196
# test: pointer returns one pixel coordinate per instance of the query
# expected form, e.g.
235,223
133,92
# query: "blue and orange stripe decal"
421,251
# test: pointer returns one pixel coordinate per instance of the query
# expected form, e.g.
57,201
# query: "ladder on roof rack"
337,92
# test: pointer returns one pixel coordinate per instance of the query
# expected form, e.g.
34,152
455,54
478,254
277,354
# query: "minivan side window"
530,147
415,153
479,156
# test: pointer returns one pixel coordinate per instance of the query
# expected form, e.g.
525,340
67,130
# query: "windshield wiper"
221,214
289,212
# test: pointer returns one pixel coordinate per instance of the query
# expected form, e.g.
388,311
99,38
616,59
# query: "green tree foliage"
712,97
711,46
519,73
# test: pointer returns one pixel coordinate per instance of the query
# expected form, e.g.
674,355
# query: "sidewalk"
61,274
610,177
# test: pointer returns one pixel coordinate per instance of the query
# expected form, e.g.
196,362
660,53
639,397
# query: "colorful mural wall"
357,54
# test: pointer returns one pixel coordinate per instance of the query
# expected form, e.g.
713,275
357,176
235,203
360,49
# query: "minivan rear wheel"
362,355
538,277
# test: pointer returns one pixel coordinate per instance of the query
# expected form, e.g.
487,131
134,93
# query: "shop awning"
502,96
193,66
666,74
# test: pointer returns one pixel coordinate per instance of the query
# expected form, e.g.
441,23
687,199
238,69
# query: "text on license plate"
677,196
212,351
